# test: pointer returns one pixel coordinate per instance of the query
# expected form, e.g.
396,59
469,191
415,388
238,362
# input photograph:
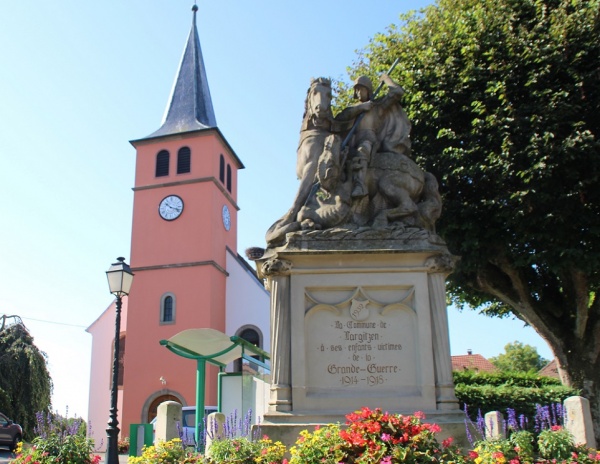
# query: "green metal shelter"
217,348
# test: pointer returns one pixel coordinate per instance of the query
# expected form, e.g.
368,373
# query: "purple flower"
512,419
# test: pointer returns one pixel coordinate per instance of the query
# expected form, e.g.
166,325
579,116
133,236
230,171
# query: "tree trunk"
581,373
565,316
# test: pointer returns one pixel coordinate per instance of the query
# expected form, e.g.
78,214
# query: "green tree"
518,357
25,383
504,97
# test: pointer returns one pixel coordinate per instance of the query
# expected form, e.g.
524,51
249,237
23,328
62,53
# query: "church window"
183,160
222,169
162,163
167,309
229,178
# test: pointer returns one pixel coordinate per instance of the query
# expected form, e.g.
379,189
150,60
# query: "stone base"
286,428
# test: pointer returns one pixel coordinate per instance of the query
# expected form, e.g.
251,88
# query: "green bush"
500,391
519,379
57,449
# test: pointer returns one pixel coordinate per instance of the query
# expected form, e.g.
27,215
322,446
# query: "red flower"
473,455
352,417
435,428
447,442
554,428
365,412
419,415
373,427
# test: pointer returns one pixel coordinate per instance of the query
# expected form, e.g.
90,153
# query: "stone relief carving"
366,180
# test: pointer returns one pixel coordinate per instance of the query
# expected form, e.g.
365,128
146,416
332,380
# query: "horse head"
317,105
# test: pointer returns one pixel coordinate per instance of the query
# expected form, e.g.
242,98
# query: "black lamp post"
120,278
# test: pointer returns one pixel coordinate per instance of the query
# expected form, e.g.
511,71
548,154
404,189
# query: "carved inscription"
369,348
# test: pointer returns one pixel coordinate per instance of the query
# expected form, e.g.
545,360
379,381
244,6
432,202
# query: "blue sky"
80,79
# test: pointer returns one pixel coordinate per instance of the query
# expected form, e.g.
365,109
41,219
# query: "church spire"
190,106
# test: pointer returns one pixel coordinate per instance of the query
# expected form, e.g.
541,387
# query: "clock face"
226,217
170,208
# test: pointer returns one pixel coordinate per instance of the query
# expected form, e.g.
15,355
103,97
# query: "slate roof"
474,362
190,106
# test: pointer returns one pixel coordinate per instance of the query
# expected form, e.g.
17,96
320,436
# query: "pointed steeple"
190,106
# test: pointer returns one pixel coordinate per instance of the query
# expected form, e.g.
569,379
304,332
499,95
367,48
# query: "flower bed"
369,437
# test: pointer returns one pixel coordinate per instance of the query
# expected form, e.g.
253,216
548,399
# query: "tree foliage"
25,383
504,96
519,357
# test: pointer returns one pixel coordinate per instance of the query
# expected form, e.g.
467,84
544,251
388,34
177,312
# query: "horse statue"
317,123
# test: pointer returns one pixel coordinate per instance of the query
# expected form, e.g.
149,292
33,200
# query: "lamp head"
120,278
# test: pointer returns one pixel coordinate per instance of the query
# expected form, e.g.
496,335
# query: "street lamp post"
120,278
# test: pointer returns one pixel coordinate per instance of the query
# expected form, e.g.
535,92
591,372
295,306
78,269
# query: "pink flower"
473,455
385,437
419,415
386,460
554,428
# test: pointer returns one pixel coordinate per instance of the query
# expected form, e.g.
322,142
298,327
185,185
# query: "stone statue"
366,181
330,204
385,127
317,123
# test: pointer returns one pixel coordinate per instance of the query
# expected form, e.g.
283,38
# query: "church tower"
184,220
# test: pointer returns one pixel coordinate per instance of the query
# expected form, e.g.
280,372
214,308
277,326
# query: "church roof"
190,106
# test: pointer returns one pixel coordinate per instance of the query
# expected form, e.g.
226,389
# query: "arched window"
222,169
162,163
229,178
184,160
250,334
167,309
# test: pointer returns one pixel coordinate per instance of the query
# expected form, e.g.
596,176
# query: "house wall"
248,301
103,332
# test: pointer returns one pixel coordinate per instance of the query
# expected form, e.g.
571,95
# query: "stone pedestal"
363,324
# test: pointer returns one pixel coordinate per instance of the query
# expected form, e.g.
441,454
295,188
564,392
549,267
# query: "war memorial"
357,272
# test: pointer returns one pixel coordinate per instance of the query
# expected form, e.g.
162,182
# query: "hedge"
484,392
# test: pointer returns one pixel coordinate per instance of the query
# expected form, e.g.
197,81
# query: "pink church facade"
188,273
